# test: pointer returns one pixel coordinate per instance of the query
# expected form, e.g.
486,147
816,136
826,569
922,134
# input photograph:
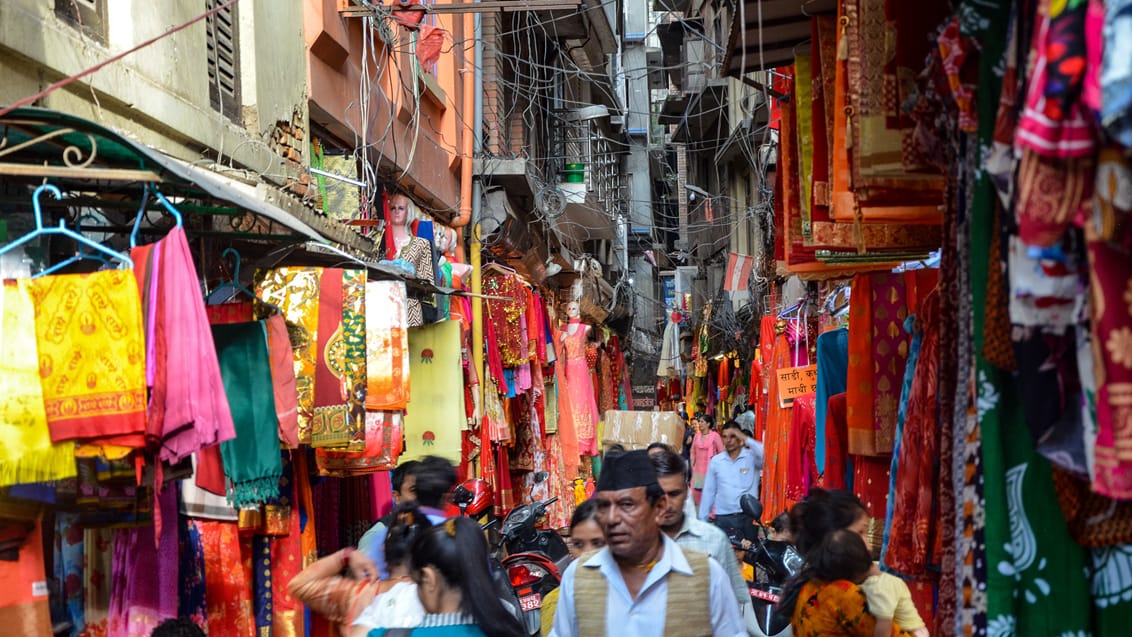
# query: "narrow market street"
519,318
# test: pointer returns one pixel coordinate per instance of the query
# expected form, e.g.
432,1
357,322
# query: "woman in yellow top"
585,536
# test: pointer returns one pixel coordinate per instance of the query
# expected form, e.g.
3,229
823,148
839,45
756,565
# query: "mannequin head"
573,311
401,210
445,239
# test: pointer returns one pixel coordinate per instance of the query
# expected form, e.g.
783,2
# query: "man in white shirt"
624,589
731,474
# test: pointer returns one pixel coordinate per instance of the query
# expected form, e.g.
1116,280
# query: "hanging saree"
387,346
187,405
340,370
860,395
506,315
228,580
283,380
833,367
777,437
191,592
96,399
68,560
436,410
910,545
838,472
145,575
1116,72
296,292
872,181
251,461
97,569
801,465
1110,273
1055,136
26,451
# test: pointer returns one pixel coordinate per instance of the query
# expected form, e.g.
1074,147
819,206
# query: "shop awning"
82,156
766,34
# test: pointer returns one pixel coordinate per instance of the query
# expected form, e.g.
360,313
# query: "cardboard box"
636,429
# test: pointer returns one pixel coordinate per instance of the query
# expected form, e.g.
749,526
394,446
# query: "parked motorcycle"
528,554
779,561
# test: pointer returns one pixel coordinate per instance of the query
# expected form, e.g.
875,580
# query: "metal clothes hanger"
235,284
62,229
141,212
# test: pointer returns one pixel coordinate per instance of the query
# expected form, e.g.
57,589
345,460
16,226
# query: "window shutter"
223,59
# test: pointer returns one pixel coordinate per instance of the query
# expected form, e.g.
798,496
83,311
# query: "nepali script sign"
794,382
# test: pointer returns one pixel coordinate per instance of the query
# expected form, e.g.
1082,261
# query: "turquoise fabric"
833,372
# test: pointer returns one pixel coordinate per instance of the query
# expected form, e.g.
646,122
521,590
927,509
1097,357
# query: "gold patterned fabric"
91,356
295,292
26,452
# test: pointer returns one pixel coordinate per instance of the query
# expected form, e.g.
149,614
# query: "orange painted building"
368,85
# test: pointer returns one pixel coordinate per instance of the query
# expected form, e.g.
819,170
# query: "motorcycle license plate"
766,596
530,602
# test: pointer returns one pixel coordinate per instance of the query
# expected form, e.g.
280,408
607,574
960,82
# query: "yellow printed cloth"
436,409
26,452
88,330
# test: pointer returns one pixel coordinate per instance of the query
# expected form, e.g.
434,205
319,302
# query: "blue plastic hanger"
141,212
235,282
78,256
40,229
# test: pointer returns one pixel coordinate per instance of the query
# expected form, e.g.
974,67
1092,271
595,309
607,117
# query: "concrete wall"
159,95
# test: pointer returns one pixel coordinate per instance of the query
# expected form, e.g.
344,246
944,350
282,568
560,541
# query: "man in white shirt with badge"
642,584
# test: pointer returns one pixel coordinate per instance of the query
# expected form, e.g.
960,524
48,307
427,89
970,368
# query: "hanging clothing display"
833,369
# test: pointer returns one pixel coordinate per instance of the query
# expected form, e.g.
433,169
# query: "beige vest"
689,605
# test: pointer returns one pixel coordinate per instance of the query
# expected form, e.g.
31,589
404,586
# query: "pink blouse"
703,448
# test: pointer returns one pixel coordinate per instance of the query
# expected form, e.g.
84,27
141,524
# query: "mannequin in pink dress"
579,386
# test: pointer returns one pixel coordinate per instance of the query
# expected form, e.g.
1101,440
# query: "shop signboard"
794,382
